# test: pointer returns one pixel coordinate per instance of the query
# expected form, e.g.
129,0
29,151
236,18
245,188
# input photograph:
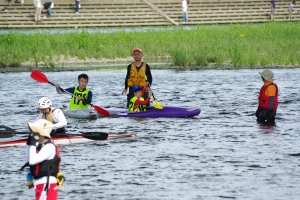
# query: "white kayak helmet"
44,102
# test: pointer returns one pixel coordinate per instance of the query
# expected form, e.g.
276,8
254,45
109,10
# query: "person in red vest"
267,99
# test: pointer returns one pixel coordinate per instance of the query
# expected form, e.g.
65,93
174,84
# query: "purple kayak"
167,111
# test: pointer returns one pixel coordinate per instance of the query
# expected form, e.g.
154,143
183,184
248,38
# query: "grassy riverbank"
270,44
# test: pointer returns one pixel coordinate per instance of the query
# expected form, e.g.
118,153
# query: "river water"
222,153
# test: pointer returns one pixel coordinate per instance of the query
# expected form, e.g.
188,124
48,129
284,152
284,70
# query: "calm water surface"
222,153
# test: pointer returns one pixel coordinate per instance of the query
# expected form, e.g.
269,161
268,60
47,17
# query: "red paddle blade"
101,111
39,76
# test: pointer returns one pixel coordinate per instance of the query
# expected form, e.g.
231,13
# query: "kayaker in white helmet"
54,115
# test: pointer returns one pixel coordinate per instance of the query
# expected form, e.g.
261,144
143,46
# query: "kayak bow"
65,140
166,111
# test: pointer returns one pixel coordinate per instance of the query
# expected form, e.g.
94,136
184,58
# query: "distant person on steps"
273,5
47,7
185,12
77,4
38,10
267,99
291,9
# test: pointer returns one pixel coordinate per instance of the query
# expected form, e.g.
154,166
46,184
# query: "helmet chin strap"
48,110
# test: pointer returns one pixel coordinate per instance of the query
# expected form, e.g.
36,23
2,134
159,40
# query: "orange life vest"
264,100
137,77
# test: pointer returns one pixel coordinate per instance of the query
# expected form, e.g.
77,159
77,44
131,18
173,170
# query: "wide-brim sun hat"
41,126
136,88
267,74
137,50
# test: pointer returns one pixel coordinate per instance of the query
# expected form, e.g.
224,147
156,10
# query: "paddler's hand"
80,98
57,86
34,137
147,89
124,92
150,93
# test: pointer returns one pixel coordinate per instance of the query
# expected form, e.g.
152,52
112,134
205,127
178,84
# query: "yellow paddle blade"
157,105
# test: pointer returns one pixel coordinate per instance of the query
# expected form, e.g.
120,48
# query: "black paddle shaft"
152,93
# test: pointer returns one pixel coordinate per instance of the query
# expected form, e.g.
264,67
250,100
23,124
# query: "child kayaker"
138,103
268,98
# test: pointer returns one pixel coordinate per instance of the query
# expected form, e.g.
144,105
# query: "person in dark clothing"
138,73
47,7
273,5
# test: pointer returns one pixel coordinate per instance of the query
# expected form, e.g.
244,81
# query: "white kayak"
81,113
65,140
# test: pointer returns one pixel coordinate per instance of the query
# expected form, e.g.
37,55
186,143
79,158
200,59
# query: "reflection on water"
268,127
222,153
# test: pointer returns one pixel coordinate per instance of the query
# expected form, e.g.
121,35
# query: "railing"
160,12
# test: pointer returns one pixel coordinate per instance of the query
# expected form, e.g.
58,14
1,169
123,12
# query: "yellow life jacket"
137,77
75,103
138,108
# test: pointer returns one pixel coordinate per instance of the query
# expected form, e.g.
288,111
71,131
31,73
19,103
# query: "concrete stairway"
228,11
122,13
102,14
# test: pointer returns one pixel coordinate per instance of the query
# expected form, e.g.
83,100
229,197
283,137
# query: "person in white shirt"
291,9
54,115
43,158
38,10
184,9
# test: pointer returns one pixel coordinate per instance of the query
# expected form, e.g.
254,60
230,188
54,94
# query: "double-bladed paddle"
42,78
6,132
156,104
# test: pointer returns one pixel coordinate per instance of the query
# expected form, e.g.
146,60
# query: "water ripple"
220,154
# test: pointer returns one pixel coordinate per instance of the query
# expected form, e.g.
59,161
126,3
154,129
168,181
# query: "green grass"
268,44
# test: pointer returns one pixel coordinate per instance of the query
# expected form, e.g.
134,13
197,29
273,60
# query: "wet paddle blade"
101,111
39,76
95,136
157,105
6,132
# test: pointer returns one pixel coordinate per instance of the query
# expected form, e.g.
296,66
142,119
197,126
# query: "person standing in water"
267,99
138,73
